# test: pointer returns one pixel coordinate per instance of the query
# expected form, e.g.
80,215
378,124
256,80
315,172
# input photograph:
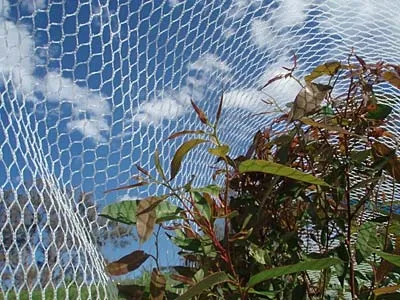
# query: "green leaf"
392,258
329,69
269,294
367,239
312,123
125,212
180,154
158,165
211,189
380,113
309,265
166,211
202,205
269,167
258,254
128,263
220,151
203,285
184,242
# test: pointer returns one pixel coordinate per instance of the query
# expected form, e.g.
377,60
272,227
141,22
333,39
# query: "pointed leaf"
144,171
392,258
269,167
329,69
309,265
203,285
202,205
127,187
202,116
380,112
219,110
152,203
387,290
211,189
145,222
312,123
157,285
127,263
166,211
182,278
184,132
180,154
220,151
393,78
158,165
123,212
367,239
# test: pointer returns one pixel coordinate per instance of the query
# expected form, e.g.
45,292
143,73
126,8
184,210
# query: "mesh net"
91,88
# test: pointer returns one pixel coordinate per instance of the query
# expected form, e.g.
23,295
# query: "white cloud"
248,99
32,5
371,27
206,72
17,63
168,107
174,3
290,13
89,128
261,34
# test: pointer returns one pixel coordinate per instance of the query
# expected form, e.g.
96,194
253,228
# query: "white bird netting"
90,88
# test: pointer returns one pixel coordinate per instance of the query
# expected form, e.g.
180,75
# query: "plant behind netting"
297,213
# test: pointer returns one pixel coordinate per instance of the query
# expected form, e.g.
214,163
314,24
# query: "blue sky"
90,88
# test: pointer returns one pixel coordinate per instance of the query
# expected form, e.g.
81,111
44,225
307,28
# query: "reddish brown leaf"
202,116
145,221
144,171
126,187
131,291
219,110
184,132
157,285
127,263
183,279
151,204
272,80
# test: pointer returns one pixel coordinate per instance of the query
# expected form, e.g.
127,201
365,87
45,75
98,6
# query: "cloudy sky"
90,88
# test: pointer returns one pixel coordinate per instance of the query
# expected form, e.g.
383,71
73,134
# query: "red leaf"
127,263
202,116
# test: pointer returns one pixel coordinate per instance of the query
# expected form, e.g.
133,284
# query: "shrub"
293,207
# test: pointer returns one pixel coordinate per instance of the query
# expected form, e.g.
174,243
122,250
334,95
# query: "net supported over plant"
89,89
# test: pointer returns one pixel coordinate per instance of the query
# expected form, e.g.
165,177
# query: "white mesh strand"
91,88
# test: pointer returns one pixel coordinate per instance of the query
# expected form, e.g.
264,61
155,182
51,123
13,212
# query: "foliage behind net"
91,88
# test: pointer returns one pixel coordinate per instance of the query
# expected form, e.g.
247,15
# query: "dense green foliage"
293,207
